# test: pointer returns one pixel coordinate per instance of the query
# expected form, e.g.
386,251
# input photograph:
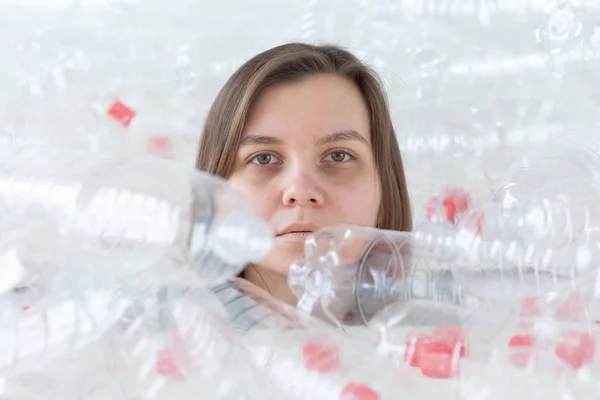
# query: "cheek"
260,195
358,204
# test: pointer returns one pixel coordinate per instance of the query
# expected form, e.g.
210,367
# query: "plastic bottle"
544,245
571,154
349,273
183,345
175,343
481,351
122,217
55,328
303,357
492,257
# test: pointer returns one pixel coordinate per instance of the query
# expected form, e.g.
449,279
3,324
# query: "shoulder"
243,310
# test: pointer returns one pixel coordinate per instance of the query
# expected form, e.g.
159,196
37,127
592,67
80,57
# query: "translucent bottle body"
124,217
55,328
302,357
479,351
572,154
182,345
547,244
493,257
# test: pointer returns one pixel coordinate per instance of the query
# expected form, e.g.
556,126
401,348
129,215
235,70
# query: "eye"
338,156
264,159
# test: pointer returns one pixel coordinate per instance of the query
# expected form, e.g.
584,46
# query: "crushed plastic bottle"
123,217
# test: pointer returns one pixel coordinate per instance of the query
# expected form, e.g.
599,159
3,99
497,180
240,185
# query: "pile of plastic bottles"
115,286
118,271
497,297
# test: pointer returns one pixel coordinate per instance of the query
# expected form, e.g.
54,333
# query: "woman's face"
306,162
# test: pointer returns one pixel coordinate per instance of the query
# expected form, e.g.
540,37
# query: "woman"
305,133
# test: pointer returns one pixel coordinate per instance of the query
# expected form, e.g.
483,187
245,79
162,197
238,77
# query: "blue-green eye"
264,159
338,156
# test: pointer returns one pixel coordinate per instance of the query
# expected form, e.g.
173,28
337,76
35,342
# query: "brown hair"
224,125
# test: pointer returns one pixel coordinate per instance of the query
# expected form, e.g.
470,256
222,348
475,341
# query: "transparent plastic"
53,329
444,199
472,85
175,343
183,345
558,215
305,358
492,256
547,245
571,154
479,353
350,272
123,217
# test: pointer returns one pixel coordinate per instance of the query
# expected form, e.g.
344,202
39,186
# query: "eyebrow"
341,136
260,139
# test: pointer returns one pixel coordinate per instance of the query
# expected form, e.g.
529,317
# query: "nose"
301,189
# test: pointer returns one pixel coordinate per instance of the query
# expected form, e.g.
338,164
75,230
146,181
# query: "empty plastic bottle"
122,217
183,345
58,327
571,154
472,347
350,273
546,244
492,257
303,357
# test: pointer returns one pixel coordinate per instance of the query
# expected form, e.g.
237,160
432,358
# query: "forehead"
312,107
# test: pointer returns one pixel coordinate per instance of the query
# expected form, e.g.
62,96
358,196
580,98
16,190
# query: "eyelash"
350,158
253,159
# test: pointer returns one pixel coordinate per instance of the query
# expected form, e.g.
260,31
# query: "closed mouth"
295,233
298,229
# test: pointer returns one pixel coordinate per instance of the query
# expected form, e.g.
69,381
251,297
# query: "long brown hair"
224,125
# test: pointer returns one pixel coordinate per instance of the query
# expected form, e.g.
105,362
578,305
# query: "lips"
296,233
298,229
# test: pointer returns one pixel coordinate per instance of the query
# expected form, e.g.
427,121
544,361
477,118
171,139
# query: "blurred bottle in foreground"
126,217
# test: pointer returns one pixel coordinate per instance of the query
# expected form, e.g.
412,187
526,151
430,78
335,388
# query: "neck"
272,282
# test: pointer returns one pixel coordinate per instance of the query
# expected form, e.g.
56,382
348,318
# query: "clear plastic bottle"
493,256
350,273
571,154
182,345
174,344
545,245
123,217
57,327
555,216
303,357
481,352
